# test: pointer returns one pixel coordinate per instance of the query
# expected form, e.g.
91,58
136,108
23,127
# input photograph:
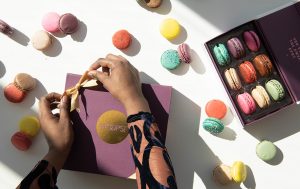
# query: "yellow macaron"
170,28
29,125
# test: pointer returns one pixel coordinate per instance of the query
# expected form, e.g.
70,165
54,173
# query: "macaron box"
259,63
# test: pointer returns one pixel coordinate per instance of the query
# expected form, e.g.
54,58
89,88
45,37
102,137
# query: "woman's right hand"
122,80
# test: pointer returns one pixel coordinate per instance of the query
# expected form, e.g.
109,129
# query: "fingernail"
64,99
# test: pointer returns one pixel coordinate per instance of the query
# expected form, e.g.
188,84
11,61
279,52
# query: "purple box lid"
281,31
89,153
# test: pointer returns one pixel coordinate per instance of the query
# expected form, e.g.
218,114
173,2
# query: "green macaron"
266,150
170,59
221,54
275,89
213,125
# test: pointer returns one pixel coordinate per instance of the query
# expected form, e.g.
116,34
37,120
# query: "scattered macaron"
68,23
252,40
170,59
233,79
247,72
112,127
263,65
16,92
213,125
170,28
5,28
239,171
184,52
261,96
236,48
216,109
246,103
221,54
29,125
41,40
266,150
275,89
153,3
50,22
122,39
21,141
222,174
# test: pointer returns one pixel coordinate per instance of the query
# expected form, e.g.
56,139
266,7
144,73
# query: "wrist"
136,105
57,158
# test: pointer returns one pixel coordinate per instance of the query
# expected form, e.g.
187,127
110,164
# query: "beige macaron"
233,79
221,174
25,82
41,40
261,96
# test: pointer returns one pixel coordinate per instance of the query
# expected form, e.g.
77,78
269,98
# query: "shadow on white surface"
197,63
2,69
278,126
55,48
182,69
227,134
227,14
165,7
81,33
277,159
20,37
250,180
181,38
134,48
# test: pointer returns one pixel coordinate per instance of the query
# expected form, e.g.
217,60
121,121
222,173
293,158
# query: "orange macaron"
21,141
216,109
122,39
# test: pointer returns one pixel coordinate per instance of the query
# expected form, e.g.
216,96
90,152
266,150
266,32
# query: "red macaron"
248,72
13,93
216,109
21,141
121,39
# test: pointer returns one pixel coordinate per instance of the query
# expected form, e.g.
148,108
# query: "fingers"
102,63
45,103
64,109
101,76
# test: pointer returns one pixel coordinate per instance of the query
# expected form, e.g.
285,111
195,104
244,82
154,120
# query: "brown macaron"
153,3
25,82
68,23
263,65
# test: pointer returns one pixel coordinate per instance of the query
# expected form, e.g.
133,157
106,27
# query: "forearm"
153,165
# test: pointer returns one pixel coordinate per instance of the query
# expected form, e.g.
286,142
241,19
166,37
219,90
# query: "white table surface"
194,152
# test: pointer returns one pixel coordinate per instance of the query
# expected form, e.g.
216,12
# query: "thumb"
64,109
101,76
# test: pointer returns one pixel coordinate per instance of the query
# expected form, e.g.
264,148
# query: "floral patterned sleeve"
153,165
43,176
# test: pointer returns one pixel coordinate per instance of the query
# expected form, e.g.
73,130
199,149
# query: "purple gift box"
279,33
91,154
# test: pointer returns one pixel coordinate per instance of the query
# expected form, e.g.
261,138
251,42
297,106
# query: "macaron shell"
121,39
233,79
153,3
247,72
213,125
221,54
216,109
252,40
50,22
21,141
246,103
275,90
25,82
5,28
266,150
261,96
14,94
263,64
239,171
68,23
236,48
41,40
170,28
184,52
170,59
222,174
29,125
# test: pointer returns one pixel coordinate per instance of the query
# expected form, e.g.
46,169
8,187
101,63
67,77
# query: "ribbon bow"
73,92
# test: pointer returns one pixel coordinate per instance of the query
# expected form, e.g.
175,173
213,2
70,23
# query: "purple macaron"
5,28
184,52
236,48
252,40
68,23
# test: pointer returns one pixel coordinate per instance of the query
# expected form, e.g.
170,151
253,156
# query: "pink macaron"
50,22
184,52
246,103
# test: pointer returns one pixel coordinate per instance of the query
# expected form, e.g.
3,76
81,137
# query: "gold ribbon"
84,82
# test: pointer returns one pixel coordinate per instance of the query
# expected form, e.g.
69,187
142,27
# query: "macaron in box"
256,81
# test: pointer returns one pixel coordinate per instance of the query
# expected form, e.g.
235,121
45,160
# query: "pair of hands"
118,76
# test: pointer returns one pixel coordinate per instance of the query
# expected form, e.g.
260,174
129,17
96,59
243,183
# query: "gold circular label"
112,127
